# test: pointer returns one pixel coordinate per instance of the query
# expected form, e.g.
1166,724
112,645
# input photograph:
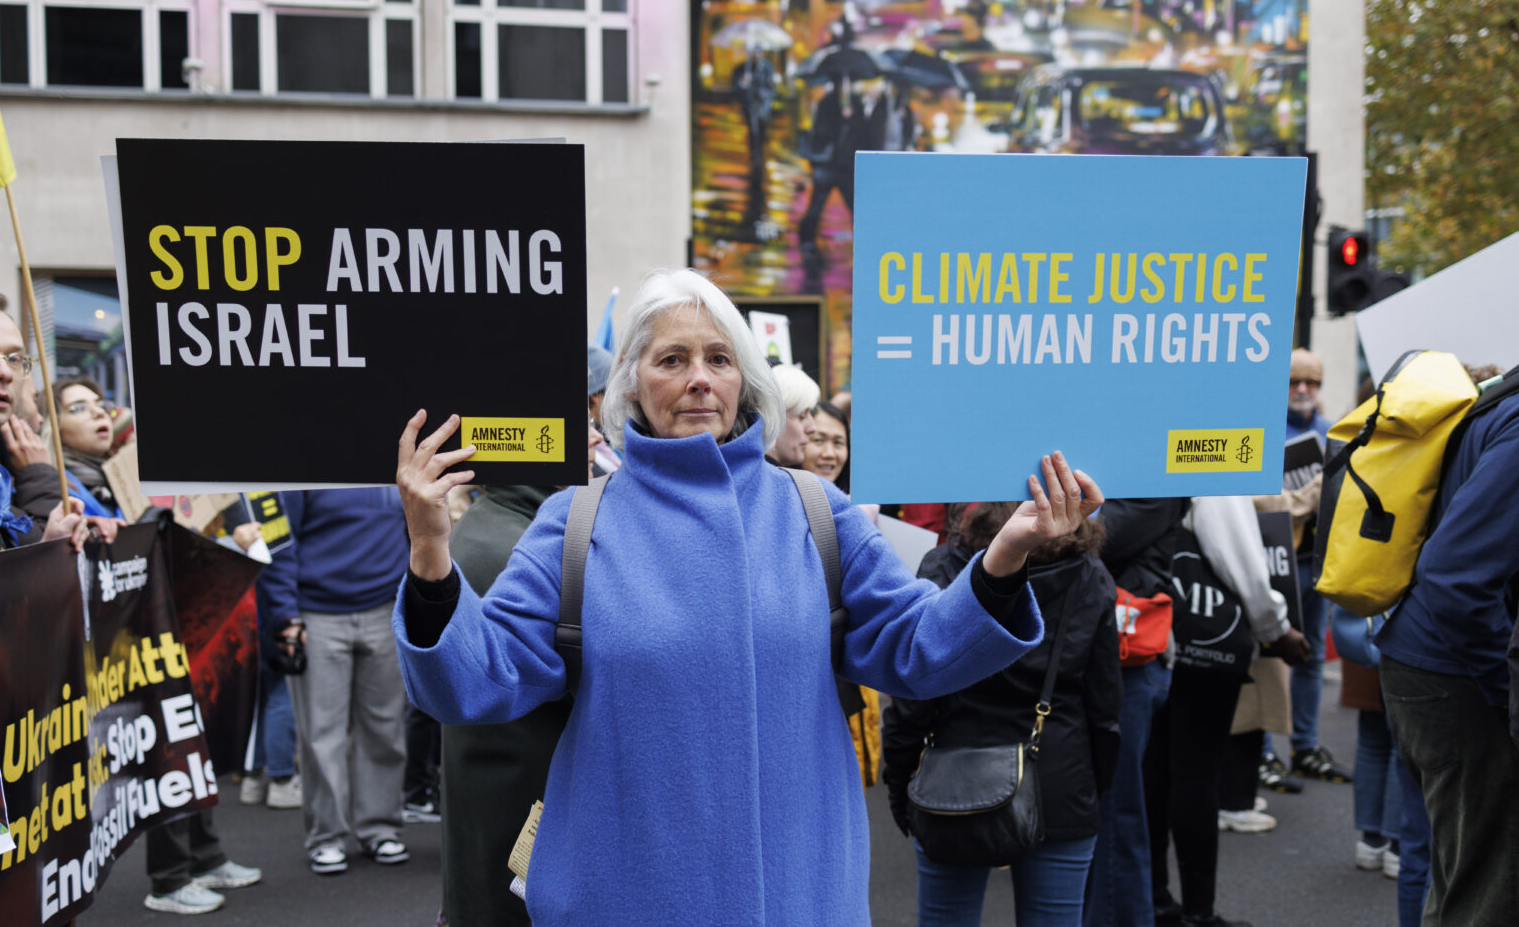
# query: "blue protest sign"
1133,312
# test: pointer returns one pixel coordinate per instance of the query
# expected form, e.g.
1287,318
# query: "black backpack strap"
1490,397
577,543
1376,524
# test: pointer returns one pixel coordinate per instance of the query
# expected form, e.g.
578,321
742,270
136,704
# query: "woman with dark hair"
1080,740
84,426
828,446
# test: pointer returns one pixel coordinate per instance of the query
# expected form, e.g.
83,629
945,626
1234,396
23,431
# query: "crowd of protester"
410,672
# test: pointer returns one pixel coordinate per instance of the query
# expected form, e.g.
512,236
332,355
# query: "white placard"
773,333
1467,309
909,541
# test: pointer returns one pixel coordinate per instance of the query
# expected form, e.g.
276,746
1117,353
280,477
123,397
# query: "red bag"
1144,626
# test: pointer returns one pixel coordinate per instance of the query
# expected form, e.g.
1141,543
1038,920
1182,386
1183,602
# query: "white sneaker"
285,794
1392,864
1246,822
1369,857
253,789
190,898
229,875
1260,803
328,860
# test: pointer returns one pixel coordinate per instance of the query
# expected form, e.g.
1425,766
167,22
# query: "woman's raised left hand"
1071,498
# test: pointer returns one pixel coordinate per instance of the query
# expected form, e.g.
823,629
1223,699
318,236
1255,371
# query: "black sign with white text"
292,304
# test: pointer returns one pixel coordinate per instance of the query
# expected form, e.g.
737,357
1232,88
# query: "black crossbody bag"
980,806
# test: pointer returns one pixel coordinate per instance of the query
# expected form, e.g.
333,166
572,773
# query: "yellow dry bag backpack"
1380,486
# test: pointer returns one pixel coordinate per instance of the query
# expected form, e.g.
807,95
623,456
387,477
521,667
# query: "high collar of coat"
697,459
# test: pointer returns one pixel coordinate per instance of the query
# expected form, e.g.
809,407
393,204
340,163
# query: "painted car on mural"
1121,111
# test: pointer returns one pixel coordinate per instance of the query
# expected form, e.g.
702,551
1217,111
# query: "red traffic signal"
1350,270
1350,250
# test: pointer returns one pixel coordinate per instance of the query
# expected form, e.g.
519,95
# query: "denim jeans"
1047,887
1118,892
1378,798
1413,850
274,732
1458,748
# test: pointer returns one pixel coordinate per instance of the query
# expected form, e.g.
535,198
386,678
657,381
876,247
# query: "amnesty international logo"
1245,452
1215,450
514,440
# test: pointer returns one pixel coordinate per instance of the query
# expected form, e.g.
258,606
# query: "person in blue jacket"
1445,675
705,775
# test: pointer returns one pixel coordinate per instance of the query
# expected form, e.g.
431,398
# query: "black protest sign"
103,736
292,304
1281,562
1302,460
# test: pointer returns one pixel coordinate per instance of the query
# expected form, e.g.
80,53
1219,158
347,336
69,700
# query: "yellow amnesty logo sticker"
517,440
1215,450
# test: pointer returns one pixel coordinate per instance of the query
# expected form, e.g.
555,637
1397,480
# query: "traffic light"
1350,270
1384,283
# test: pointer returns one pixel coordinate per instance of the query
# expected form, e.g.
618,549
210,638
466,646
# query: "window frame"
36,38
376,12
489,15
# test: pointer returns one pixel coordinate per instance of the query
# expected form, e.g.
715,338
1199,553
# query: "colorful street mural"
786,91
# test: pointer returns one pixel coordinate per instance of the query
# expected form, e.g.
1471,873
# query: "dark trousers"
1457,747
180,850
424,745
1241,772
1183,763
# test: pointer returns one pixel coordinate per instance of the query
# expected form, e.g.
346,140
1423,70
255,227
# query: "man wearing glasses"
30,509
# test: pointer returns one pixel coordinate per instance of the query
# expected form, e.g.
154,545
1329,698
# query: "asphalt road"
1300,875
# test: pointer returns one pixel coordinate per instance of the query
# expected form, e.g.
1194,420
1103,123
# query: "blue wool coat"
706,775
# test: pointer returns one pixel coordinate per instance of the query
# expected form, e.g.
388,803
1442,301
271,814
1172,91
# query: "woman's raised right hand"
424,490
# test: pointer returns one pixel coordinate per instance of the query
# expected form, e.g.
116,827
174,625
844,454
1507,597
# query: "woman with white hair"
799,394
705,775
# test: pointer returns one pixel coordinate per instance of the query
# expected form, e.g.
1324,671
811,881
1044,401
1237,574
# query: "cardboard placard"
289,305
1133,312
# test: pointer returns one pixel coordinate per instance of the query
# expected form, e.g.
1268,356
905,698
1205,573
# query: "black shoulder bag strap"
577,543
1042,710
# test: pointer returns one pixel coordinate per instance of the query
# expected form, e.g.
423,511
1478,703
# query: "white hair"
660,292
798,391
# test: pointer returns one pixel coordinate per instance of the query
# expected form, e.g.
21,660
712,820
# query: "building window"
555,50
15,63
89,47
322,46
321,54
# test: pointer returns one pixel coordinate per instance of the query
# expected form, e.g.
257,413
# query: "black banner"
103,734
331,289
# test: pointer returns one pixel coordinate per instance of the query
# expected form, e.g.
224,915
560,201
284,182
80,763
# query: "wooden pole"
47,380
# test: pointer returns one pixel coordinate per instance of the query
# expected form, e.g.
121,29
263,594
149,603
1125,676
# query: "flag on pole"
7,163
603,337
